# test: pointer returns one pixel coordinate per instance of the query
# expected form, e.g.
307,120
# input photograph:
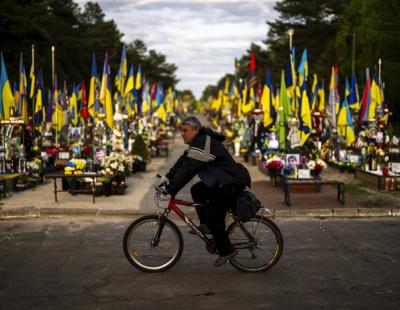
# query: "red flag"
252,80
154,91
365,99
84,110
252,66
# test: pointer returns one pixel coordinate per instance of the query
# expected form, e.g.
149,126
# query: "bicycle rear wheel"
261,253
142,249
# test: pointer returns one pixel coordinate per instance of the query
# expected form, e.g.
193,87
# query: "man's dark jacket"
207,154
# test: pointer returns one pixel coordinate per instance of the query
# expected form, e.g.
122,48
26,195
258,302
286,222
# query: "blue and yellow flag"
321,97
304,115
105,94
73,107
266,102
39,117
376,97
120,78
130,81
57,118
345,126
23,92
347,88
303,69
138,82
160,94
93,89
291,80
354,98
6,96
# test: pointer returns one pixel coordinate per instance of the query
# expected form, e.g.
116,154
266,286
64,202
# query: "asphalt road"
78,263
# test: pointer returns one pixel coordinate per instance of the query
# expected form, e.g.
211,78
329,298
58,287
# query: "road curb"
360,213
303,213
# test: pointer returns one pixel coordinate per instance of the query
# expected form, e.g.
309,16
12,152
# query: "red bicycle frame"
172,205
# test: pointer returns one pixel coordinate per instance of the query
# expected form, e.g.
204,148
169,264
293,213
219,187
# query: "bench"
60,175
314,182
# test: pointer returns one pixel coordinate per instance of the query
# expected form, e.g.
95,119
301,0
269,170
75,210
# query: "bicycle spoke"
145,252
259,253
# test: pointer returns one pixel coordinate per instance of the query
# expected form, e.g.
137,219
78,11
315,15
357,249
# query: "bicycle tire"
138,247
271,244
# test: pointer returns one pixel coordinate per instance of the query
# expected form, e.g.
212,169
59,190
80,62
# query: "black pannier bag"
247,206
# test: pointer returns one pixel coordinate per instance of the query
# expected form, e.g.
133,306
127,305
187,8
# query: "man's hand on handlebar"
164,195
163,180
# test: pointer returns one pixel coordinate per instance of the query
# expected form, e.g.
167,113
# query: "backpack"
247,205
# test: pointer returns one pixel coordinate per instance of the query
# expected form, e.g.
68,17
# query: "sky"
202,37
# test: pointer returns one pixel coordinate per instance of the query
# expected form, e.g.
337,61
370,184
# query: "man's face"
99,156
292,162
188,133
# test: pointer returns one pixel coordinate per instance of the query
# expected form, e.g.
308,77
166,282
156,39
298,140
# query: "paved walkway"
138,198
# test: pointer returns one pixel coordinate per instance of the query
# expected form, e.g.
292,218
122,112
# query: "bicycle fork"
161,223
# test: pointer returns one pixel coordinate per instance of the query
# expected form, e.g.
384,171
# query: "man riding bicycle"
222,181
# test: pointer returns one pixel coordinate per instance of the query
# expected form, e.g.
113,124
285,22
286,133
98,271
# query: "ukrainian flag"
304,115
38,117
105,94
354,98
266,102
73,107
345,123
23,88
303,68
93,88
6,96
138,82
376,99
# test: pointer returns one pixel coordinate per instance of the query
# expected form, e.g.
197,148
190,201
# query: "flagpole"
55,99
353,54
33,97
380,65
290,33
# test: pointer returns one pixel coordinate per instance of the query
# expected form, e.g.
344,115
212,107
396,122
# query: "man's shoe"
203,228
223,259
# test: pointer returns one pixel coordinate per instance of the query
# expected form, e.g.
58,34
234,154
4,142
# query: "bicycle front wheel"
152,244
259,252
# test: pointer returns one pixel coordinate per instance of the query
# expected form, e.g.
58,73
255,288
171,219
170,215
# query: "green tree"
315,24
76,33
377,28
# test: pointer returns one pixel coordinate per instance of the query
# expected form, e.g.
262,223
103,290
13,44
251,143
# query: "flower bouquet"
116,166
35,168
316,166
274,162
274,165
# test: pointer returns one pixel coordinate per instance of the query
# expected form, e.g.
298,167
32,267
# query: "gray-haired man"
222,180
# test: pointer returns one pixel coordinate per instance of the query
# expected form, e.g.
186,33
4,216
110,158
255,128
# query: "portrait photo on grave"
292,160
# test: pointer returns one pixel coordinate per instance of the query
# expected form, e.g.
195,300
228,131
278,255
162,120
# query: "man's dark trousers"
218,201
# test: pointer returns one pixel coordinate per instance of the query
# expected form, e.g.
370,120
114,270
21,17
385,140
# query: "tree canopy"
326,28
76,33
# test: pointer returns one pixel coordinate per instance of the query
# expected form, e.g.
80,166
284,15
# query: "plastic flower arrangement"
274,162
316,165
116,164
34,167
